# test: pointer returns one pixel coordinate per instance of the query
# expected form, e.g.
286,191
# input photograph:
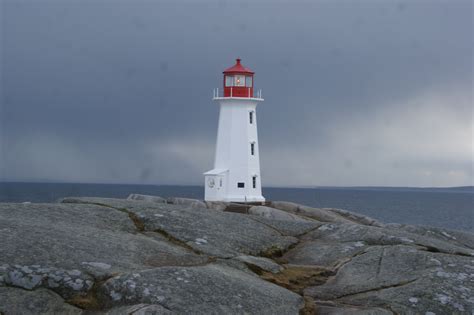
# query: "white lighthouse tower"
236,173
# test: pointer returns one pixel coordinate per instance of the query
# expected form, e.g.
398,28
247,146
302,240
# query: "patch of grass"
136,220
86,302
272,252
309,306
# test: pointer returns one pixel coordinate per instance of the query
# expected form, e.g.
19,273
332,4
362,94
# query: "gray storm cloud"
356,93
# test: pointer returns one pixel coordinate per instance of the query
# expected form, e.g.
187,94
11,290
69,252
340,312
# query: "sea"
451,208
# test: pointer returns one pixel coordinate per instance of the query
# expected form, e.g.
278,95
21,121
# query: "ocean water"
449,208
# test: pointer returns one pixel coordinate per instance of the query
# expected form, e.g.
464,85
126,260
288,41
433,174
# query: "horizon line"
198,185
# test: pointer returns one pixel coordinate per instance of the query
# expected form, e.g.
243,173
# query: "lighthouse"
236,174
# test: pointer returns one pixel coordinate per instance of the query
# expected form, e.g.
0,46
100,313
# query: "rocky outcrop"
146,198
151,255
40,301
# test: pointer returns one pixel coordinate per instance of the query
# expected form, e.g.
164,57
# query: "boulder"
146,198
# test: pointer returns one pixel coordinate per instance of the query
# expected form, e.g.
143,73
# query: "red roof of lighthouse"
238,68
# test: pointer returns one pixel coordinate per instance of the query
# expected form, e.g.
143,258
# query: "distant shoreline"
468,189
443,207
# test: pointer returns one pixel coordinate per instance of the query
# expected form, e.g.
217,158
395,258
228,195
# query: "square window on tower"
254,182
252,148
240,185
251,117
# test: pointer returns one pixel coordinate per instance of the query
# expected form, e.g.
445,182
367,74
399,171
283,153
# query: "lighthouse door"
221,185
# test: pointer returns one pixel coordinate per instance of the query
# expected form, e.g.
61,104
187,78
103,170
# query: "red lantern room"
238,81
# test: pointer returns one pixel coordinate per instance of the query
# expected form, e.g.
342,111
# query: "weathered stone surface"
58,246
117,204
356,217
290,228
410,280
459,238
371,235
140,309
211,289
145,256
275,214
305,211
193,203
221,234
15,301
323,254
350,310
260,263
65,282
146,198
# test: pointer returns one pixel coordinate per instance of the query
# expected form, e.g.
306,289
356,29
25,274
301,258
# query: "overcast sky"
356,92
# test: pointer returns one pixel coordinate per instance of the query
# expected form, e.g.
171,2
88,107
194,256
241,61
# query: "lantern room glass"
248,81
239,80
229,80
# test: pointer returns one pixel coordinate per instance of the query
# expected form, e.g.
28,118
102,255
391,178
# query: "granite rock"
143,255
67,247
319,214
15,301
260,263
192,203
408,279
211,289
289,227
275,214
214,233
372,235
351,310
146,198
140,309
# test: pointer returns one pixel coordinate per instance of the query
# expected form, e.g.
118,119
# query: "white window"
239,80
251,117
248,81
229,80
254,181
252,148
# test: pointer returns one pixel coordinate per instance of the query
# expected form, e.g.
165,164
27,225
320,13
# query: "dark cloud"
356,93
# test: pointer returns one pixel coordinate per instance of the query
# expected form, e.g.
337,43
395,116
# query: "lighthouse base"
220,187
242,199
